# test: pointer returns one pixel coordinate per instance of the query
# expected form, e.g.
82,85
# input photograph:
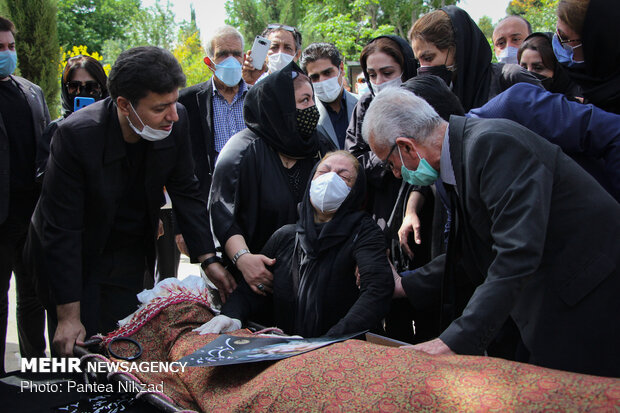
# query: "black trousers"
30,312
110,289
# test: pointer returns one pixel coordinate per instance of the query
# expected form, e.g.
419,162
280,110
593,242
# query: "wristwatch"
239,254
209,261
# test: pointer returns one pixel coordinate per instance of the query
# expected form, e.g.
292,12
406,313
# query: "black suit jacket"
40,119
198,100
540,238
85,179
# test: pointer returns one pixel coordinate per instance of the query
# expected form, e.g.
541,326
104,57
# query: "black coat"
315,290
40,119
85,179
539,239
198,100
251,194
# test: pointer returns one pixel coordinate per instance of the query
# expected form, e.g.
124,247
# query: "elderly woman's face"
341,165
303,95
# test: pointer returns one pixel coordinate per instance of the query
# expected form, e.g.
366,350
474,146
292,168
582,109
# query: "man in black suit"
94,229
537,237
23,117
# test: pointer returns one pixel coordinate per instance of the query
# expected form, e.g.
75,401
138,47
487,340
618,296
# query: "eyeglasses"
387,164
562,41
90,87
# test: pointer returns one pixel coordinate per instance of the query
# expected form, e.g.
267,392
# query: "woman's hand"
254,270
219,324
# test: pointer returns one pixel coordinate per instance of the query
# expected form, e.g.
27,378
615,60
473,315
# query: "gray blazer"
40,119
539,240
325,125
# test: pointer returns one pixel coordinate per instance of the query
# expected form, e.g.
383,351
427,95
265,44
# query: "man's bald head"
510,31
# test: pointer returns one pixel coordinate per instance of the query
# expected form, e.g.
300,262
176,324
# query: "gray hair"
396,112
223,31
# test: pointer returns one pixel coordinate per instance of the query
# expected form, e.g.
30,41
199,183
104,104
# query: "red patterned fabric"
360,376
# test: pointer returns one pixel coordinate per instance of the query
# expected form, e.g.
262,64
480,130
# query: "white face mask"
147,132
390,83
277,61
328,90
328,192
508,55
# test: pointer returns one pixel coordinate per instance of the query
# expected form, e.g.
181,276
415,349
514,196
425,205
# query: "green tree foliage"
252,16
37,44
152,26
190,53
486,26
540,13
92,22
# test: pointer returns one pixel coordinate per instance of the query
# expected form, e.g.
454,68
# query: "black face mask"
544,81
441,71
307,119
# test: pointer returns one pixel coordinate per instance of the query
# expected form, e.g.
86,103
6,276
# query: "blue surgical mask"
508,55
425,175
8,63
229,71
564,53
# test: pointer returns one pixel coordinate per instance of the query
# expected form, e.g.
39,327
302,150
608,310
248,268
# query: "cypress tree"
36,43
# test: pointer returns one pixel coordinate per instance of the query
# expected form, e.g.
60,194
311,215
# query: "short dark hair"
518,16
437,93
6,25
318,51
144,69
274,27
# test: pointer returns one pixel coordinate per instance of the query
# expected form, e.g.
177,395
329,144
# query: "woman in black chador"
262,171
314,290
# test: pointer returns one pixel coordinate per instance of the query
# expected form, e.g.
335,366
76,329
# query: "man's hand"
219,324
434,347
70,330
160,229
411,222
399,292
222,279
253,268
181,244
249,74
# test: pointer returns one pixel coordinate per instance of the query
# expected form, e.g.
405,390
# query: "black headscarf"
269,111
600,77
67,99
473,60
317,249
561,81
410,64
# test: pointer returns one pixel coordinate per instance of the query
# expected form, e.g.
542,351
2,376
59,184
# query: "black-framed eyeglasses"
91,87
387,164
561,40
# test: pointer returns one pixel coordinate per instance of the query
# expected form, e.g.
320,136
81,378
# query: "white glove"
219,324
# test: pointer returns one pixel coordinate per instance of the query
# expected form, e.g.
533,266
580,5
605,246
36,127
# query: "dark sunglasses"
91,87
274,26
